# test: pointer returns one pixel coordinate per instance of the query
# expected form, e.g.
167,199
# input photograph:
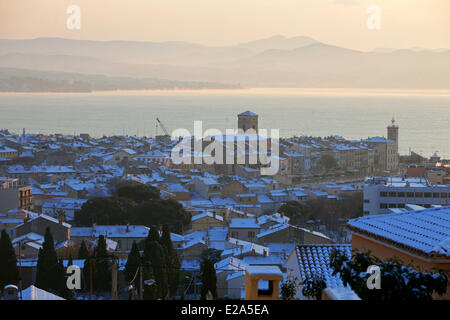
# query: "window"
419,195
444,195
251,234
410,194
435,194
383,206
383,194
401,205
401,194
265,287
392,194
427,194
392,205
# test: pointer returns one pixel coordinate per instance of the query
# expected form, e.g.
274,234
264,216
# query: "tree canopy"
104,211
119,211
296,211
398,281
137,192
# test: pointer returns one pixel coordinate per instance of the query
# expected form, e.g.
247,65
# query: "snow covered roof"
263,261
377,140
248,113
426,232
119,231
46,217
264,270
129,151
230,264
244,223
34,293
314,259
239,247
190,265
206,215
273,229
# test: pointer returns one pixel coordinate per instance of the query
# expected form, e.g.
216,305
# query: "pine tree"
172,261
47,265
209,279
9,273
83,252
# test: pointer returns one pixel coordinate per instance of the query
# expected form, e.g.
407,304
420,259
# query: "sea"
423,116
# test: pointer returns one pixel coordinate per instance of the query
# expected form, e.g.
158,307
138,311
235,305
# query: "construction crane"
162,126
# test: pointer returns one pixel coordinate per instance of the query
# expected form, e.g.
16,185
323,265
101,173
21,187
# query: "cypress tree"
102,267
172,261
47,265
155,266
153,234
209,279
63,291
133,262
83,252
132,266
159,268
9,274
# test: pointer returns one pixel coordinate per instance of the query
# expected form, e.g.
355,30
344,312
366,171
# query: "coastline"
348,92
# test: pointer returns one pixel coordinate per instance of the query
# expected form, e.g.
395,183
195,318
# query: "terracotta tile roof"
425,232
314,259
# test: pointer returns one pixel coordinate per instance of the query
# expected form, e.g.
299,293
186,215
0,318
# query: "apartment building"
14,196
381,194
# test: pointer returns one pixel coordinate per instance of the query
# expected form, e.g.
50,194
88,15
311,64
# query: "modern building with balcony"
14,196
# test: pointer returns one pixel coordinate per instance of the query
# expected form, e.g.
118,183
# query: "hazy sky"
404,23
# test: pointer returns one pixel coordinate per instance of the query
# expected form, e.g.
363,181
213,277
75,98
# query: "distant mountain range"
273,62
26,80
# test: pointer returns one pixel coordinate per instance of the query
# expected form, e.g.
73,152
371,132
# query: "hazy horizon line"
231,45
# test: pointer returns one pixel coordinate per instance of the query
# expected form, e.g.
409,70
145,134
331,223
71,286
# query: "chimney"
61,219
128,228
